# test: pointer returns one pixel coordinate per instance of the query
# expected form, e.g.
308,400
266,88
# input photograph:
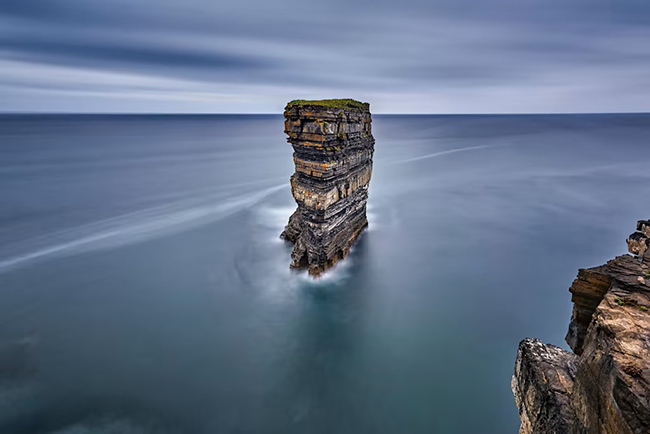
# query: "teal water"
143,287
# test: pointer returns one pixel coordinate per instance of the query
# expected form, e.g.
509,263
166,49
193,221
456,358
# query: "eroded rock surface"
333,149
542,384
605,386
639,241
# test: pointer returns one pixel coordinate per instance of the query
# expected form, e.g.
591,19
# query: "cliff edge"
604,385
333,149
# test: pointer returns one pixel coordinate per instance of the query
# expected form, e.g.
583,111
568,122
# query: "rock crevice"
333,149
604,386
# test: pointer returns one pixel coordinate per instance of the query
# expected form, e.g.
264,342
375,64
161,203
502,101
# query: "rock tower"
333,148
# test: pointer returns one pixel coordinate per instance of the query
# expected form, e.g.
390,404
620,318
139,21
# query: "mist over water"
143,286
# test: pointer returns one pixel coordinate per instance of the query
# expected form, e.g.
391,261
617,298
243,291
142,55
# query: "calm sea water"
143,287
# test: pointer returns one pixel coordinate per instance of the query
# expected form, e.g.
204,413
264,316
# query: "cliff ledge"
604,385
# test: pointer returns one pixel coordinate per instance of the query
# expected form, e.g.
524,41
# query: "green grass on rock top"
349,104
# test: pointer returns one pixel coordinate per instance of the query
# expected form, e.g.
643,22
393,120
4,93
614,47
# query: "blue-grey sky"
252,56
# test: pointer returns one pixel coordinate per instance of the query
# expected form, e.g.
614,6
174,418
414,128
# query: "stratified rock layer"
542,384
333,148
604,387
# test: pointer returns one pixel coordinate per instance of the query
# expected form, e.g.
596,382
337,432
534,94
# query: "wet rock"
333,149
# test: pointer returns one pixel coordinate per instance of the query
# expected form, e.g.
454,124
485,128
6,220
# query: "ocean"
144,287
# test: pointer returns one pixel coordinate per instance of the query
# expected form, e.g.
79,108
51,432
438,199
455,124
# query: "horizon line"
4,113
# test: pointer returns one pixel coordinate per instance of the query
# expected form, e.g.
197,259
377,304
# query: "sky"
253,56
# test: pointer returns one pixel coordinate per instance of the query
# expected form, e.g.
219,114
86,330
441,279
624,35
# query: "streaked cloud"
439,56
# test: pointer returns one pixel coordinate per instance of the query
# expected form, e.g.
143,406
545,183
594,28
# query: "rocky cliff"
333,148
604,385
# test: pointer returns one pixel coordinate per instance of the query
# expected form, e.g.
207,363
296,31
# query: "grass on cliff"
349,104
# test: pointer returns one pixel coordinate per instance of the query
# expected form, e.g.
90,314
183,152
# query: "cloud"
253,56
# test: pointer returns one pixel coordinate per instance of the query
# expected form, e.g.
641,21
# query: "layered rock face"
604,385
333,148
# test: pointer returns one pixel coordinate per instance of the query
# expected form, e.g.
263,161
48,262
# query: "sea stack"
603,386
333,148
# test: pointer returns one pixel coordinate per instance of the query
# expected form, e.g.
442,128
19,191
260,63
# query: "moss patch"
349,104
